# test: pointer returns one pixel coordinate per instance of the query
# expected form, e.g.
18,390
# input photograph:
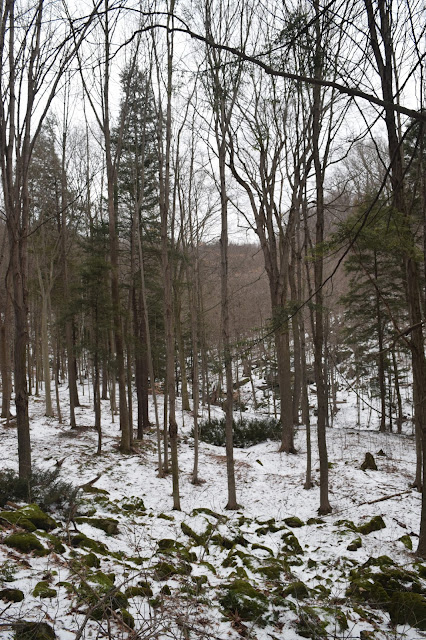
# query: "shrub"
44,488
246,433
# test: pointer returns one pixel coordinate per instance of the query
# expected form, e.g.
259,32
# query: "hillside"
273,569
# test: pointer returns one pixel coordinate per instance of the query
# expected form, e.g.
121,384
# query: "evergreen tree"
375,311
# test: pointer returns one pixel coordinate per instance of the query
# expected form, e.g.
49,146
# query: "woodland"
212,309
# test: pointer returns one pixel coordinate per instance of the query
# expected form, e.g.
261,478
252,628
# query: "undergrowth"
44,488
246,433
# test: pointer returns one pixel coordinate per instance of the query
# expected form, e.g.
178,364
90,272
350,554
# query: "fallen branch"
394,495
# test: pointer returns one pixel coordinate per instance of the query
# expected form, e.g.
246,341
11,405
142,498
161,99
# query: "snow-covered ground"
253,545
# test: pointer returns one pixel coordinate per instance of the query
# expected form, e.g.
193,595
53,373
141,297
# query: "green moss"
143,590
109,525
346,524
209,566
53,542
271,572
25,542
268,526
375,524
127,618
155,602
82,541
312,521
262,547
294,522
408,608
33,631
164,570
290,543
229,543
310,625
68,586
11,595
94,490
133,504
243,599
16,518
354,545
199,538
42,590
91,560
341,619
297,590
95,588
163,516
209,512
165,590
406,541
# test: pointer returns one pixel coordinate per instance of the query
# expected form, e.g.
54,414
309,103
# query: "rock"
42,590
109,525
406,541
354,545
246,601
297,589
369,463
11,595
25,542
127,618
408,608
375,524
294,522
34,631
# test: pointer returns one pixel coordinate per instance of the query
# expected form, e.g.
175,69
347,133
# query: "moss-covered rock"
165,590
165,570
312,521
164,516
43,590
271,572
133,504
262,547
209,512
310,625
375,524
355,544
377,581
291,544
82,541
239,597
127,618
11,595
25,542
297,589
407,542
268,526
99,587
199,538
91,560
33,631
109,525
294,522
142,590
408,608
30,517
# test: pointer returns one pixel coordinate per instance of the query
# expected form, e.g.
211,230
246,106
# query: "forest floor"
271,570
